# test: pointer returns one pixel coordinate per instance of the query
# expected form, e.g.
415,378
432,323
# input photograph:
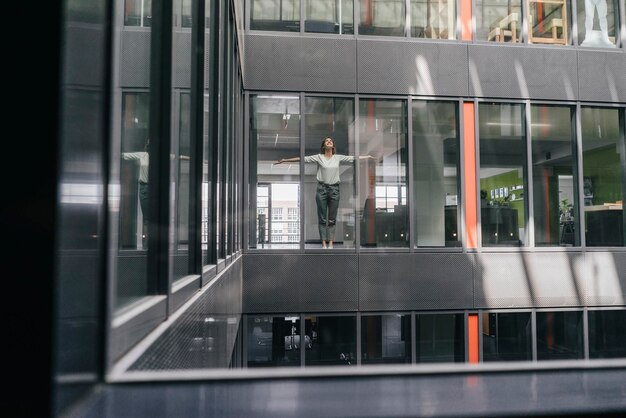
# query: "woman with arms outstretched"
327,193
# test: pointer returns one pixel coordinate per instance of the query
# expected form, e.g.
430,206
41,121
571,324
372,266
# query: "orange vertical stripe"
466,20
472,338
469,171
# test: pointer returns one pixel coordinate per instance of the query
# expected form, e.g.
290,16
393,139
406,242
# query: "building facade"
481,221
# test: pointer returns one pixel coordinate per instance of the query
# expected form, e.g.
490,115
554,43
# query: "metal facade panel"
401,67
415,281
602,75
204,335
85,64
299,283
518,72
605,275
135,59
295,63
181,60
516,280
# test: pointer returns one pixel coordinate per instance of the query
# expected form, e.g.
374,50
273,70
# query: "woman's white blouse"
328,168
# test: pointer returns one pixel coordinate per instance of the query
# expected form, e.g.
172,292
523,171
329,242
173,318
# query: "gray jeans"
327,199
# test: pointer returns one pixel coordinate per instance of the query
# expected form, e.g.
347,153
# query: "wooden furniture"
505,29
552,29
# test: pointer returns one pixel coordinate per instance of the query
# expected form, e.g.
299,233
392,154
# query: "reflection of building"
445,110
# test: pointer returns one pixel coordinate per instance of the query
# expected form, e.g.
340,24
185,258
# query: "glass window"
554,175
382,128
559,335
506,336
138,12
597,23
329,194
180,182
333,340
433,19
180,151
134,215
548,22
274,135
498,20
274,341
182,13
386,339
603,171
502,174
329,16
382,17
440,338
275,15
436,173
207,144
607,334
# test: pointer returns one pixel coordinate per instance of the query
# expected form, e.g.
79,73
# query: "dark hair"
322,146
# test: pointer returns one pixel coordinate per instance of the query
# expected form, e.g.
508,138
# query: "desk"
604,225
499,226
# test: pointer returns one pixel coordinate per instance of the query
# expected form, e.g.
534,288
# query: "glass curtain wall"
433,19
328,117
383,206
274,341
134,201
560,335
333,340
138,13
607,334
603,176
549,21
598,23
386,339
506,336
440,338
329,16
275,15
498,20
180,150
382,17
502,174
275,188
436,173
555,179
208,140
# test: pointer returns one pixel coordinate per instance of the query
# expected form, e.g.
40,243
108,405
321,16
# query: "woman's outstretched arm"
288,160
366,157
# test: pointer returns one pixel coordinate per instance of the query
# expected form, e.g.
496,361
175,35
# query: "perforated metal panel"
522,72
205,334
401,67
415,281
300,63
605,275
135,59
84,62
515,280
602,75
299,283
181,60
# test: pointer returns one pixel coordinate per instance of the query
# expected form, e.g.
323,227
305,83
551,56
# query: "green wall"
508,179
603,167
